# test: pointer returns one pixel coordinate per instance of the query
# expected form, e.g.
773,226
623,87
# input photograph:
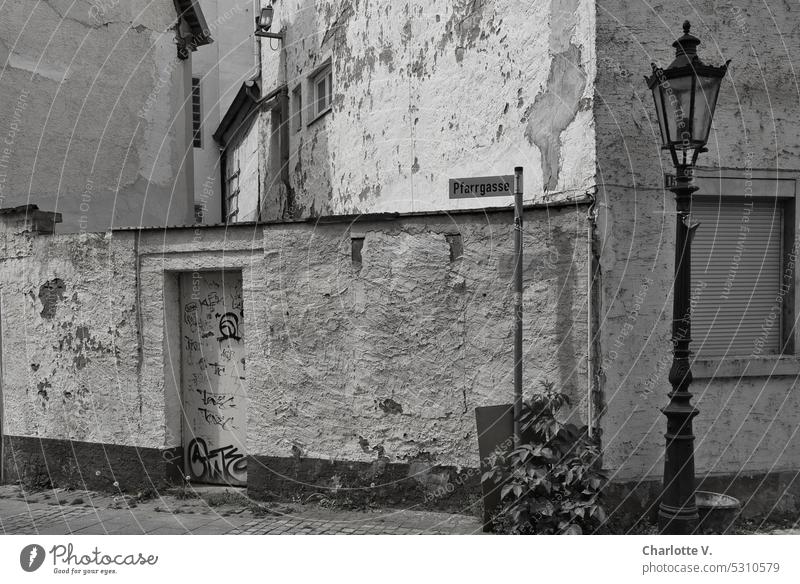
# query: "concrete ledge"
44,462
422,484
762,495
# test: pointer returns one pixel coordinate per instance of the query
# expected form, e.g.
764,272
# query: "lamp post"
685,95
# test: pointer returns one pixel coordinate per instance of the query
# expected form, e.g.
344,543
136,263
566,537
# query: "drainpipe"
257,39
285,135
591,220
518,214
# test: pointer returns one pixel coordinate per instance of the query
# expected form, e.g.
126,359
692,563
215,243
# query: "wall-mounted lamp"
264,22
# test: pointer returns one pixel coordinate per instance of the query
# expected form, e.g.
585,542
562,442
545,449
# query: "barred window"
197,116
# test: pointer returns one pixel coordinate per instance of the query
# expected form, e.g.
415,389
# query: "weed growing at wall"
550,484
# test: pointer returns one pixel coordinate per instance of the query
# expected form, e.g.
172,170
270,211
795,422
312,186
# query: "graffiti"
229,327
220,400
190,314
224,463
218,369
237,303
191,344
211,300
196,380
217,420
227,352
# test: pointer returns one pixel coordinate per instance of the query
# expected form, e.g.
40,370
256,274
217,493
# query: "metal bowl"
718,512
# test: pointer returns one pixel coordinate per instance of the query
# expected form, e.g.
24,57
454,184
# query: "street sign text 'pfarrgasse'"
481,186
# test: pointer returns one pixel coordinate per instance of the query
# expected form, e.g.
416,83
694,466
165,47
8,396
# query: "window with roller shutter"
742,293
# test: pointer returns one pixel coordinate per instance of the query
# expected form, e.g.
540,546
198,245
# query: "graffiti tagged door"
213,377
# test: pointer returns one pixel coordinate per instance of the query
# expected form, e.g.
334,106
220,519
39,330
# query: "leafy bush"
551,482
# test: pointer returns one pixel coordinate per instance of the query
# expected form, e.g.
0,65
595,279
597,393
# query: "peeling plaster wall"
379,360
748,424
70,342
91,124
386,359
427,91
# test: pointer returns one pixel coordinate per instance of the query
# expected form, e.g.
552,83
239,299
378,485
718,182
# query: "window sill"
320,115
774,366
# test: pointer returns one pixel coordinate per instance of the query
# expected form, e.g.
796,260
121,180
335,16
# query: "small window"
197,135
356,246
297,109
322,91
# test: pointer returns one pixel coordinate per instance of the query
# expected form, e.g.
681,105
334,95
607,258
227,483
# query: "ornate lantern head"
685,94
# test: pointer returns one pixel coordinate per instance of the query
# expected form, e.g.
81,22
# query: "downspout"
284,139
259,75
591,221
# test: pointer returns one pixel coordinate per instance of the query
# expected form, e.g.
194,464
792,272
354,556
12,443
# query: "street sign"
481,186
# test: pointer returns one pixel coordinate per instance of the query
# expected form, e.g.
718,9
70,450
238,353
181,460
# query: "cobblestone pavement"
219,511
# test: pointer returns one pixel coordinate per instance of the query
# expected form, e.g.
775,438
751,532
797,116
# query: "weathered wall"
91,124
426,91
747,423
388,358
70,342
382,360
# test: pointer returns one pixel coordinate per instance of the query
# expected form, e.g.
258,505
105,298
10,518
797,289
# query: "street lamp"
685,95
264,23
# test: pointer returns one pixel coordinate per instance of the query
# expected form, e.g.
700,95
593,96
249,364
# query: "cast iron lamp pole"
685,95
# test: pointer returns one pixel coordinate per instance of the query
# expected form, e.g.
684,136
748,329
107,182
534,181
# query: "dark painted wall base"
772,495
419,484
45,462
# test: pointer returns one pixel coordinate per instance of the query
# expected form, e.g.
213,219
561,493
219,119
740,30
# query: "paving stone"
41,512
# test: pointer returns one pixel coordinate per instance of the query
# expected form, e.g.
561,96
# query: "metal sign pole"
517,303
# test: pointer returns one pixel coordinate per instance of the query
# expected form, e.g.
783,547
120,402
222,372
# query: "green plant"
551,482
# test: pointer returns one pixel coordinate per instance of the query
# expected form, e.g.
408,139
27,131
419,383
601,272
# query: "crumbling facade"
376,308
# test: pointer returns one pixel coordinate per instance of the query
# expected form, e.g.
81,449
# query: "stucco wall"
389,358
383,360
746,423
71,342
91,124
426,91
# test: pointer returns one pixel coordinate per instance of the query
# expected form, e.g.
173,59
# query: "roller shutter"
736,274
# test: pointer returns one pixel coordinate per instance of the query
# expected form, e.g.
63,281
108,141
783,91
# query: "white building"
218,71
